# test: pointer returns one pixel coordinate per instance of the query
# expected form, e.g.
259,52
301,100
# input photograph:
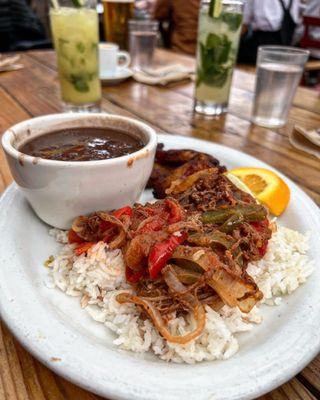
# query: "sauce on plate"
82,144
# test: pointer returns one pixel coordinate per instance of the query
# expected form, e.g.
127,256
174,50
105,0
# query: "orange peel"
267,187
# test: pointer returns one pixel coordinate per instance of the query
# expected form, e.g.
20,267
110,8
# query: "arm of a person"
312,8
162,9
247,15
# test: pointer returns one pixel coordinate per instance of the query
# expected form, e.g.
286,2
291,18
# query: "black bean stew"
82,144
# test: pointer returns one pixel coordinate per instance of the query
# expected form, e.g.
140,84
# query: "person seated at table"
20,28
182,16
312,9
267,22
143,9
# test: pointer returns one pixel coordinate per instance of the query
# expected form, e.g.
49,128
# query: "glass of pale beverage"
217,46
116,15
75,31
279,71
142,43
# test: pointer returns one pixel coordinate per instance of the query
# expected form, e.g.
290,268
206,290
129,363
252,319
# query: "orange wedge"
268,188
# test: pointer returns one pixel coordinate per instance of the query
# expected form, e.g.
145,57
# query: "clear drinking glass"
218,42
116,15
142,42
279,71
75,33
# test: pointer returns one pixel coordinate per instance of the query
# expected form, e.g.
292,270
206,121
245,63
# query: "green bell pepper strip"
249,213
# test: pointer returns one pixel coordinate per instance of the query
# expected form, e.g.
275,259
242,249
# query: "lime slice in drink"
215,8
78,3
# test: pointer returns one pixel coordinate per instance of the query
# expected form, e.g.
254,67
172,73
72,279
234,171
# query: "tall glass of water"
142,42
279,71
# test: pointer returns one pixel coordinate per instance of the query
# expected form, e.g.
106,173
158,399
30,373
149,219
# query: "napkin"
164,75
306,140
9,63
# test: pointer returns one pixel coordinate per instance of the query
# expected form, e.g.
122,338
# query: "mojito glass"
218,41
75,33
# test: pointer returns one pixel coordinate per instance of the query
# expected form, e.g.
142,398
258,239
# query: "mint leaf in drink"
222,51
62,41
217,76
81,47
213,40
91,76
62,48
203,54
78,3
214,60
80,82
217,48
214,77
233,20
199,77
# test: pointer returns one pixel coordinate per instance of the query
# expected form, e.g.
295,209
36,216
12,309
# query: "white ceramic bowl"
58,191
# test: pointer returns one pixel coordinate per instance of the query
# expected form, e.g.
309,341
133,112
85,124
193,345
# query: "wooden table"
34,91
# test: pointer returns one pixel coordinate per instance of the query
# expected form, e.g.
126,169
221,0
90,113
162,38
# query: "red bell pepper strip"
134,276
162,252
109,236
151,211
74,238
175,212
83,248
259,226
104,225
122,211
152,226
263,249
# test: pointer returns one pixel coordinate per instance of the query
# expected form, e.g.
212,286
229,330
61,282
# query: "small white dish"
54,329
58,191
121,75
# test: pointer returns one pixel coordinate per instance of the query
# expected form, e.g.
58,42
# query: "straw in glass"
55,4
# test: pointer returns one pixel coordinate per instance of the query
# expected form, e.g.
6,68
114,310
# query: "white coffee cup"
111,59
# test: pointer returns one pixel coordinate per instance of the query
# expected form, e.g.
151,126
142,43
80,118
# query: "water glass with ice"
279,71
142,42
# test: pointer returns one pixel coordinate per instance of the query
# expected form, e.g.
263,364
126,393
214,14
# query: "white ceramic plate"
121,75
54,329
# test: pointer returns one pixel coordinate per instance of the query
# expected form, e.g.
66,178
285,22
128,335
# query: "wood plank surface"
34,91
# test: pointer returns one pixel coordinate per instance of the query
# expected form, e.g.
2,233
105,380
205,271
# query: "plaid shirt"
18,23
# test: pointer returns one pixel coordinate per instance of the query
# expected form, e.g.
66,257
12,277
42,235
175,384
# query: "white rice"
59,235
99,277
285,266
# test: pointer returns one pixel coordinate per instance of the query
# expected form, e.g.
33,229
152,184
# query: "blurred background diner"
25,23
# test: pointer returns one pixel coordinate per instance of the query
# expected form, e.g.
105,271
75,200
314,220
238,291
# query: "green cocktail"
75,33
218,41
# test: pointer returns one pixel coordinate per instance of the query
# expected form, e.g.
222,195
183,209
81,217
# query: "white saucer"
120,75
